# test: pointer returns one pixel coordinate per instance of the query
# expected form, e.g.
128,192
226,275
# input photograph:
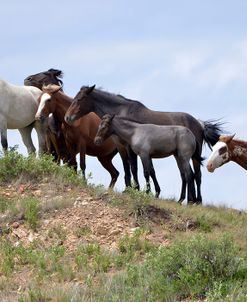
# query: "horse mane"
113,96
240,143
57,72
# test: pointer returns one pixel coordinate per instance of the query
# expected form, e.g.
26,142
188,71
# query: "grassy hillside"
64,240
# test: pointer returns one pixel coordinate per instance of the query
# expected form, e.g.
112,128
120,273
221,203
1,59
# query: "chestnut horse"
228,149
90,99
78,138
54,137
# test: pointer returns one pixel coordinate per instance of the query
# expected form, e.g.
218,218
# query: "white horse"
18,106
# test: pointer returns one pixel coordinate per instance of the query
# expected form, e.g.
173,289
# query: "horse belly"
19,124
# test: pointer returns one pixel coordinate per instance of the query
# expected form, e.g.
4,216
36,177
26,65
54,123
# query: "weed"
31,212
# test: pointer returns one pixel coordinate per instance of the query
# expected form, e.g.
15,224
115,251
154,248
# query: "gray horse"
154,141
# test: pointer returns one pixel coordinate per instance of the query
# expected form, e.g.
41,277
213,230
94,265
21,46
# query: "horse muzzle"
40,118
69,119
210,167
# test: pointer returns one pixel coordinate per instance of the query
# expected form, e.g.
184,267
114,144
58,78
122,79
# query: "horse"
54,137
18,105
90,99
154,141
78,138
228,149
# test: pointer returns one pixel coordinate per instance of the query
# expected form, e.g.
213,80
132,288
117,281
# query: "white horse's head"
220,153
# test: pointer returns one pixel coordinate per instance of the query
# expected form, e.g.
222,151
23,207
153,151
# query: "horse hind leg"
4,140
187,176
156,184
27,139
198,179
106,162
147,164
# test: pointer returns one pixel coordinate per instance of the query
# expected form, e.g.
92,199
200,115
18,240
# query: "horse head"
46,106
80,106
51,76
104,129
220,153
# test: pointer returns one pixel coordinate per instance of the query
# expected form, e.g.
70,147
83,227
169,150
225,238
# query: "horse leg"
133,165
124,156
146,163
41,129
186,170
73,163
156,184
183,188
4,140
198,179
27,139
106,162
83,163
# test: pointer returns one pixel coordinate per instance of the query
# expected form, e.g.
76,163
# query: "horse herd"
102,124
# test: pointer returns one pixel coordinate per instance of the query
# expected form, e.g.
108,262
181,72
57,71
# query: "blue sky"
186,56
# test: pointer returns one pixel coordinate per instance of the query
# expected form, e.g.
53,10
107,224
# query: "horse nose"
39,117
210,167
67,119
97,141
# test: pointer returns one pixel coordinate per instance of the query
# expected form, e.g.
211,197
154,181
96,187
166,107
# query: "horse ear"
56,72
90,89
226,138
230,137
111,117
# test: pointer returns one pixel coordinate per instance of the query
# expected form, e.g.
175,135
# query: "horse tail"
212,129
197,154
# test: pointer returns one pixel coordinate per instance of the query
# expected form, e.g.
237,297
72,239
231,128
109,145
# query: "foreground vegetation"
203,254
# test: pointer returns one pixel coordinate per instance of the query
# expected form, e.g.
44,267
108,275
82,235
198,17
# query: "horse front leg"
27,138
41,129
106,162
83,163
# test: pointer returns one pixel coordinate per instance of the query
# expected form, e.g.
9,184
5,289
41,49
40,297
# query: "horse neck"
238,152
62,104
124,129
105,102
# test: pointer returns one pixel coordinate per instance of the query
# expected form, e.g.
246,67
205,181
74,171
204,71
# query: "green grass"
205,259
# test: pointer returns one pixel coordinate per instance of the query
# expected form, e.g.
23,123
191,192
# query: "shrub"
14,165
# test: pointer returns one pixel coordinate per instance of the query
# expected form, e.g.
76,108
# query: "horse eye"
222,150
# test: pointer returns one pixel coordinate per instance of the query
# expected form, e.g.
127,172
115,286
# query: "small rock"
115,232
15,225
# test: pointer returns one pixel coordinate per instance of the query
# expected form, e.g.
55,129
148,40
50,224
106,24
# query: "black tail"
197,155
212,130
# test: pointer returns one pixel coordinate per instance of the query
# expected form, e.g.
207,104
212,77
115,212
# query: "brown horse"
80,137
55,141
228,149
